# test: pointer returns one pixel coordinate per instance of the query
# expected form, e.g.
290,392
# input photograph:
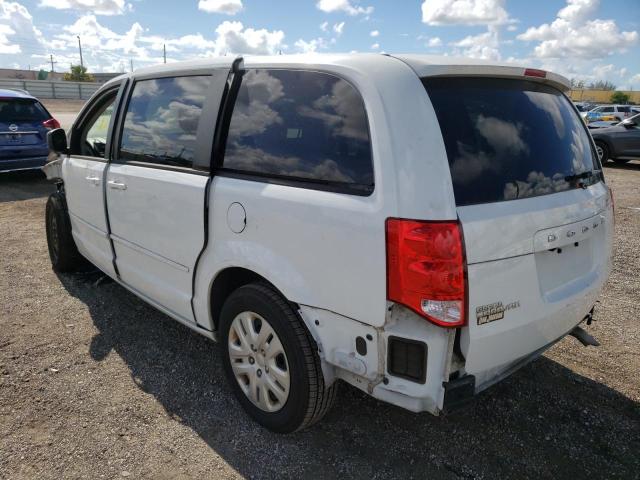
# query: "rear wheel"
62,248
271,361
603,151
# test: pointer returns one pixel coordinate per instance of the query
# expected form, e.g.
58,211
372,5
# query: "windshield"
510,139
21,110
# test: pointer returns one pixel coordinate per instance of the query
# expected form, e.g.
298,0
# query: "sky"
583,39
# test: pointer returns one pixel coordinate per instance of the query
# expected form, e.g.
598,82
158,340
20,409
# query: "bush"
619,97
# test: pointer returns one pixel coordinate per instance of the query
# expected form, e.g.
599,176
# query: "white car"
418,227
619,112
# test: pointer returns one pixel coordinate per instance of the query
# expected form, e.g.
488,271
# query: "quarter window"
302,125
162,120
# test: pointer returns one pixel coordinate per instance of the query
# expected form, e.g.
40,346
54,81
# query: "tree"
577,84
619,97
602,85
78,74
43,74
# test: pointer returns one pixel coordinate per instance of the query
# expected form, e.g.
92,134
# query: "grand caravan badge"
494,311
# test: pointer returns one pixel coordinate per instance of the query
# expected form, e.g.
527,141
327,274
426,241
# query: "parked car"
584,106
602,124
620,142
24,123
419,229
618,112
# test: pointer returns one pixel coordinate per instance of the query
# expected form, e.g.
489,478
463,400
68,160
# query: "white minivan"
418,227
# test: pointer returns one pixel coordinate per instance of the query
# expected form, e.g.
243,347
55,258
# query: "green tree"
42,74
619,97
78,73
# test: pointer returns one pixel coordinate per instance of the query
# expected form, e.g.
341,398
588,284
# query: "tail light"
534,72
426,269
51,124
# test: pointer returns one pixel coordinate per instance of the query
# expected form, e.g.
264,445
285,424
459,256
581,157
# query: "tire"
63,252
307,397
603,152
621,161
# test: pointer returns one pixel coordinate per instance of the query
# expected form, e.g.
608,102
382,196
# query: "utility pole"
52,62
164,52
80,48
131,63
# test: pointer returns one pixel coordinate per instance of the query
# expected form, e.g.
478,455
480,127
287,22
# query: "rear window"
624,109
14,110
510,139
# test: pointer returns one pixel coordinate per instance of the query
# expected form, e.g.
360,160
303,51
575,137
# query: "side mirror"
57,141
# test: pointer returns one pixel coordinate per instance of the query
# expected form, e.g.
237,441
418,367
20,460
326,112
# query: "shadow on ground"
536,423
631,165
16,186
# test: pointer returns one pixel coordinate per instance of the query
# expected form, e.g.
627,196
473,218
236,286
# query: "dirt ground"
96,384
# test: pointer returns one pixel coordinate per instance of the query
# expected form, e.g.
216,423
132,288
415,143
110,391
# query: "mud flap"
458,393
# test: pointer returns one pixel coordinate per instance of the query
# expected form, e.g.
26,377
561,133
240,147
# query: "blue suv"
24,123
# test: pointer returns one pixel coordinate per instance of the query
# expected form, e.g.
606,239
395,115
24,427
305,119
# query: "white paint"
325,251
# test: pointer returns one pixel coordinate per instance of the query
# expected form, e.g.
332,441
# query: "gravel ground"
96,384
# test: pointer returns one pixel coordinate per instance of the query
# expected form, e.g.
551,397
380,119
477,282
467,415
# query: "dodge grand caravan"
418,227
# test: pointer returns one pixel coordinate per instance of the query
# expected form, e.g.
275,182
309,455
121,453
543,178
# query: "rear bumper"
18,164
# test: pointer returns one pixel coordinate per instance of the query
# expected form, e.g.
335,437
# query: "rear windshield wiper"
579,176
582,180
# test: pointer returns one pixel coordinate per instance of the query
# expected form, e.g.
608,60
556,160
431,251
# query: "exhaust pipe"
583,337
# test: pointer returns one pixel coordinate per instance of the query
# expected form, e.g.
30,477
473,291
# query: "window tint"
510,139
608,109
624,109
162,120
21,110
305,125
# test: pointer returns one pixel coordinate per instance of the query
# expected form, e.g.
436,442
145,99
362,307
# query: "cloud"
375,46
464,12
17,22
228,7
232,37
310,46
434,42
96,7
572,35
330,6
483,46
338,28
5,44
324,26
374,33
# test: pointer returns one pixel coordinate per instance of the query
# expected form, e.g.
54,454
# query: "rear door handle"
94,180
116,185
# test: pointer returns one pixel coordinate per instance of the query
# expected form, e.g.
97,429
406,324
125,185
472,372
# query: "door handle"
116,185
94,180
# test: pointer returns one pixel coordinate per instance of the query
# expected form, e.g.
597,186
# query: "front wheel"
271,360
62,248
603,152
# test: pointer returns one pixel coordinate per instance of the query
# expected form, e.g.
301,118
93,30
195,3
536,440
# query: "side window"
302,125
90,138
162,120
608,109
